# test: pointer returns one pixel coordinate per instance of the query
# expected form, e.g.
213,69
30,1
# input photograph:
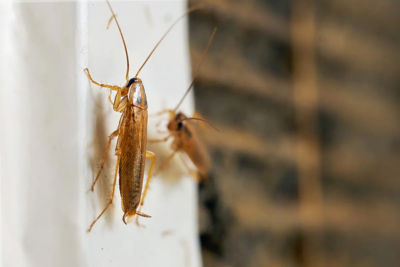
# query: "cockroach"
183,132
130,100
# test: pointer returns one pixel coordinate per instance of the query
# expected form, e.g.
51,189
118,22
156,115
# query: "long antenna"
165,34
203,120
210,39
122,36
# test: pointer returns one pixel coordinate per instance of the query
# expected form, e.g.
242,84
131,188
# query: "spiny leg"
149,175
103,160
111,196
139,213
146,187
119,95
112,87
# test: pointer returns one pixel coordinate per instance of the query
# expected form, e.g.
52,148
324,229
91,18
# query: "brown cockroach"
130,100
183,132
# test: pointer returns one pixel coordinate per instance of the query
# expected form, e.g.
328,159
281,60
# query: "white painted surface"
55,125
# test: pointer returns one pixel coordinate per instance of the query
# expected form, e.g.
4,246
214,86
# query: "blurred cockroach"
130,100
183,132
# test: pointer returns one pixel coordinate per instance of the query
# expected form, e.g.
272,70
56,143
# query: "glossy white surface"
55,126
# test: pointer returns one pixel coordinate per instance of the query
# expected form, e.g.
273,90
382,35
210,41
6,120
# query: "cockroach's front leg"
103,160
149,176
112,87
111,195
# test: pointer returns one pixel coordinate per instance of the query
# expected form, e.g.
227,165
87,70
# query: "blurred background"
306,163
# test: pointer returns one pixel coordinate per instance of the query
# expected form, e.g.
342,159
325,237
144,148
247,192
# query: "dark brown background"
306,165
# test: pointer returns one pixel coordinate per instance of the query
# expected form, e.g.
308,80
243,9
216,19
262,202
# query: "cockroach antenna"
165,34
196,72
122,37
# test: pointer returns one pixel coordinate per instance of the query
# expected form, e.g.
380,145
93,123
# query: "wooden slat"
359,164
249,16
238,140
236,73
358,51
360,108
376,217
344,161
354,103
378,16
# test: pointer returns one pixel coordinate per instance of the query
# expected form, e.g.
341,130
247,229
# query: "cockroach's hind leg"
103,160
112,87
111,196
152,156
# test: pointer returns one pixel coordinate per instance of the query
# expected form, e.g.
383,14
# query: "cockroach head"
136,92
134,79
180,116
176,123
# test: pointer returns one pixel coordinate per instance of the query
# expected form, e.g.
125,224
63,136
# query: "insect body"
186,139
183,132
130,100
132,147
130,150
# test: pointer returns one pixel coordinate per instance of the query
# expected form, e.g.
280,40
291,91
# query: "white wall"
54,127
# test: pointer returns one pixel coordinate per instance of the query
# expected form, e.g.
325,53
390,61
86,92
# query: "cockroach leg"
103,160
131,101
112,87
138,212
111,195
149,176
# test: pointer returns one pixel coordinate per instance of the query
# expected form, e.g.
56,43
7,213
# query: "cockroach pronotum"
130,100
183,132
